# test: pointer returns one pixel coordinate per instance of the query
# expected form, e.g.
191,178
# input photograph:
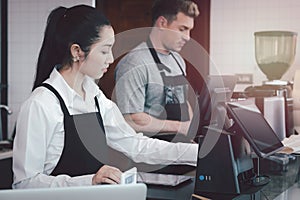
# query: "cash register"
228,168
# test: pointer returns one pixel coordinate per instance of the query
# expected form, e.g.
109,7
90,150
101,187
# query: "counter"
281,179
6,169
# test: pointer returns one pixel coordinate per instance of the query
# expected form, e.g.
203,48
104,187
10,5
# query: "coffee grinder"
274,53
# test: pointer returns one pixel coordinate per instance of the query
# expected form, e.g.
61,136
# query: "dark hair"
80,25
170,8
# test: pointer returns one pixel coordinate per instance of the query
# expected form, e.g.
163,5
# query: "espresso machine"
274,53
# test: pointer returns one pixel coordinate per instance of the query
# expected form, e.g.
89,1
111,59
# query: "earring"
75,59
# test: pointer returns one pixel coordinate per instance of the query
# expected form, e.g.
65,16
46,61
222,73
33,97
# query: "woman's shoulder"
42,93
102,98
43,98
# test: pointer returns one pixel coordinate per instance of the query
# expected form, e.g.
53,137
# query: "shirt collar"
67,93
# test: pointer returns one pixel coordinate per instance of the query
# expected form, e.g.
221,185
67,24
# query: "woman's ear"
76,52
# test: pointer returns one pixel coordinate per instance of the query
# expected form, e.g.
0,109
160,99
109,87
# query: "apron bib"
175,90
85,149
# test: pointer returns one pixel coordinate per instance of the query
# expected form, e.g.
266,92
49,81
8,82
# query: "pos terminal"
228,167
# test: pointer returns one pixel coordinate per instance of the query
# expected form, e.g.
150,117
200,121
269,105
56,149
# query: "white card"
129,177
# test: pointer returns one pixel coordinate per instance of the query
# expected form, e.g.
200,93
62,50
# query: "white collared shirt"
40,136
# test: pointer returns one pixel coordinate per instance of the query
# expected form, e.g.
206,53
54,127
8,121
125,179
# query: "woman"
67,112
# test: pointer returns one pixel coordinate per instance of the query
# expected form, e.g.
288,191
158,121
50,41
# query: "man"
151,88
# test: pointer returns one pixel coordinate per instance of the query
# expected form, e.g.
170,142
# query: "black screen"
257,131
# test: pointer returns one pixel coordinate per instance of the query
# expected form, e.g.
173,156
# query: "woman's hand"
107,174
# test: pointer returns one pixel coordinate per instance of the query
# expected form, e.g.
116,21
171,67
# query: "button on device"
201,177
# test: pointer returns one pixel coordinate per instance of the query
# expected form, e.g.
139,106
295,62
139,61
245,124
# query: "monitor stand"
259,179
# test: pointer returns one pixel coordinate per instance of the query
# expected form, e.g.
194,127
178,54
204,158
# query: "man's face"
177,33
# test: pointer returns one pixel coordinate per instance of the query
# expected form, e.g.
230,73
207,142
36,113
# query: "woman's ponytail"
80,25
48,56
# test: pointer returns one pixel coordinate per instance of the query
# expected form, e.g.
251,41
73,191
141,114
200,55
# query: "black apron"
175,96
85,150
175,90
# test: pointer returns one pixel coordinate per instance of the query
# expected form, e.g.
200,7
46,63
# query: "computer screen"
217,90
255,129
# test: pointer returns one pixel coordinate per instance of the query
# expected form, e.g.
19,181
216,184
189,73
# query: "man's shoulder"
139,54
139,58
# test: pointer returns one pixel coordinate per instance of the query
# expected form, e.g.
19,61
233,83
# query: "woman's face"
100,55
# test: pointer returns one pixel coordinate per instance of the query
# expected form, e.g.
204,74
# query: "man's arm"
143,122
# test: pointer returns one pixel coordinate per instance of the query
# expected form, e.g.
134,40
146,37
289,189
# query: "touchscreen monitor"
256,130
218,89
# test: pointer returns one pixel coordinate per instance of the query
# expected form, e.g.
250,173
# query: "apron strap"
156,58
160,65
61,101
153,52
178,64
64,107
99,115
